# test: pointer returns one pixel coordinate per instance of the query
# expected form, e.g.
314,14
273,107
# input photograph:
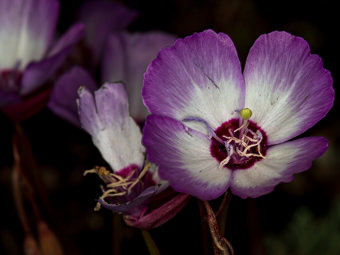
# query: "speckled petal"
184,159
281,162
200,76
287,87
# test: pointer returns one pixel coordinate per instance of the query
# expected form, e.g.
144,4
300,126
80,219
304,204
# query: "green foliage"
307,234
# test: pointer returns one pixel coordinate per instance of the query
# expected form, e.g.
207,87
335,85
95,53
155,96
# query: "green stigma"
246,113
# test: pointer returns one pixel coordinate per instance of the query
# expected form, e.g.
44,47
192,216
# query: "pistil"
237,143
240,145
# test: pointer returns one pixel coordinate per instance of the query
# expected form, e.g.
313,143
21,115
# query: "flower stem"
221,244
205,236
150,243
17,191
221,213
117,234
29,168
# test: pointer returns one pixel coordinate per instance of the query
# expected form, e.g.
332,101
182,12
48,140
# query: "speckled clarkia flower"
132,186
214,128
29,55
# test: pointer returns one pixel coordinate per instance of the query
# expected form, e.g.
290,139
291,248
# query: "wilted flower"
29,55
213,128
131,183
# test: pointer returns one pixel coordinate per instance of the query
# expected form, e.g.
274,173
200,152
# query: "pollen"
246,113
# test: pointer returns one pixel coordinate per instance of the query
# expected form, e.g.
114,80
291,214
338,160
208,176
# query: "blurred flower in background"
29,53
101,18
125,59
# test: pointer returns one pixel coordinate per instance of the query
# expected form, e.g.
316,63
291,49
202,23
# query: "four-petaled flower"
213,128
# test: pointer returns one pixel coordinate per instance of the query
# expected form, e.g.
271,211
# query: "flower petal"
200,76
23,108
64,94
184,159
126,58
87,109
37,73
281,162
134,207
113,131
27,29
162,213
102,18
9,99
287,88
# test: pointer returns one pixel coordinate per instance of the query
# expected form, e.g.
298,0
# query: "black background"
63,152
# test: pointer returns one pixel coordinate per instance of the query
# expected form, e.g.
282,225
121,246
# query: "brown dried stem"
221,244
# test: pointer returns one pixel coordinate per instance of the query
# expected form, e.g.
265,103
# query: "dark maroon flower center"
10,80
238,145
131,182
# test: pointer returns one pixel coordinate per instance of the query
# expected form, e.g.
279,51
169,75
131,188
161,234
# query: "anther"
100,170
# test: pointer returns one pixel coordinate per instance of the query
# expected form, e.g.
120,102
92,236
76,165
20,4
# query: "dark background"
296,218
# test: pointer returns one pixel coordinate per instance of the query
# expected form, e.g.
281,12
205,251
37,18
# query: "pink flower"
215,128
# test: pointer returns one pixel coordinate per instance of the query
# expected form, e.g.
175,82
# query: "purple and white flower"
131,182
29,55
214,128
127,55
126,58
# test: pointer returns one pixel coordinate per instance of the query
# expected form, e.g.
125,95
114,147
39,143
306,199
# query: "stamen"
100,170
252,145
243,126
122,181
117,185
250,139
243,145
230,151
141,175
